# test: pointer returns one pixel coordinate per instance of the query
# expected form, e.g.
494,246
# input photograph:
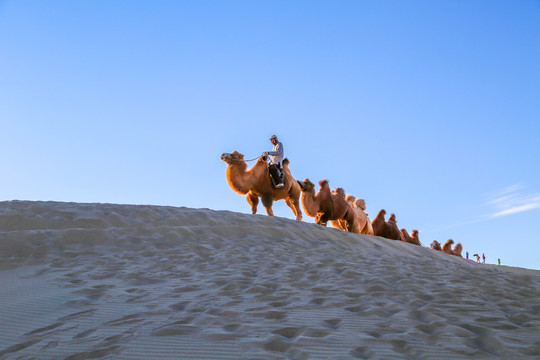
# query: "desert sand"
105,281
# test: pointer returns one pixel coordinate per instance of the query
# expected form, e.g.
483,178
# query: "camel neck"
239,178
309,203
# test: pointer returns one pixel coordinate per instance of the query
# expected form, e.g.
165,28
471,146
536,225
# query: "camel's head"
232,158
435,245
306,185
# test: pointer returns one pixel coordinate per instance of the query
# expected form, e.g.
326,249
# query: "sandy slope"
84,281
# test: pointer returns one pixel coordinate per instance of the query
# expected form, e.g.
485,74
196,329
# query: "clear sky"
428,109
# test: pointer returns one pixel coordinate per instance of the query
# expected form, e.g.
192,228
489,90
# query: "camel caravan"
343,211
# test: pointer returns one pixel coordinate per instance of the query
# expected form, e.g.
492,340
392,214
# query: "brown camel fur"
339,224
387,229
361,225
435,245
379,224
412,239
415,236
405,236
324,205
457,249
447,248
256,182
392,226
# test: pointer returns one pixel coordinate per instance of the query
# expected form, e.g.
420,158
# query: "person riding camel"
274,167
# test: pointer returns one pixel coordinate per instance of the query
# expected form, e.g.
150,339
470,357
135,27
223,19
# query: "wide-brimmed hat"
273,137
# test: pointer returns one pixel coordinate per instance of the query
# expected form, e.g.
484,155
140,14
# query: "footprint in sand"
332,323
290,332
362,352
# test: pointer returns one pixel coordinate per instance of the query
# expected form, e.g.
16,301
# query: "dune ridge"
84,281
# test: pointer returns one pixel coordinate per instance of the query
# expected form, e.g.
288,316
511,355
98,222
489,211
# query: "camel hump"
340,192
285,161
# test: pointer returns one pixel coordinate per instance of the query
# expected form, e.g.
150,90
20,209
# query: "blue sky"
428,109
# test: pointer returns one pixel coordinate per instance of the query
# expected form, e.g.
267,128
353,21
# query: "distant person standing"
499,261
467,255
277,154
483,258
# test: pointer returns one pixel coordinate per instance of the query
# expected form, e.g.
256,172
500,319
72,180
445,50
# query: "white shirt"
277,153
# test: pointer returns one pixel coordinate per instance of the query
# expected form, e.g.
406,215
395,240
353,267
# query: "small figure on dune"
274,167
325,205
256,183
387,229
412,239
483,258
435,245
499,261
467,255
477,258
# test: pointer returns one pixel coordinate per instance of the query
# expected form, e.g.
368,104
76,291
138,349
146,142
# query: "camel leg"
349,220
295,207
253,201
267,203
350,225
322,219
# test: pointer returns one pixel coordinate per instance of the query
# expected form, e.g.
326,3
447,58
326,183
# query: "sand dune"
81,281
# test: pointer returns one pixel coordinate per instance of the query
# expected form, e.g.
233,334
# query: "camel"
379,224
387,229
340,223
412,239
415,236
361,225
458,249
392,226
405,236
435,245
447,248
325,205
256,182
